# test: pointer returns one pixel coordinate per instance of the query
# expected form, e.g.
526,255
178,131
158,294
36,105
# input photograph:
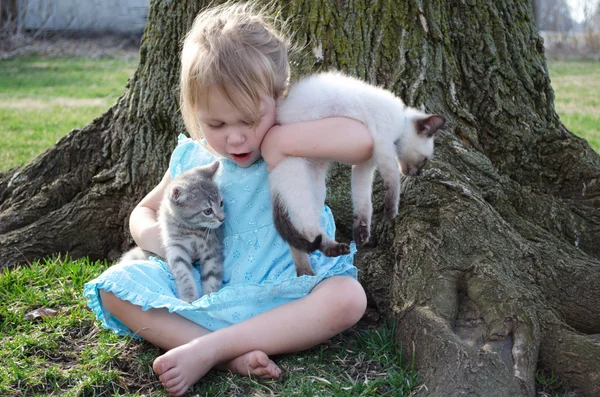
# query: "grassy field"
42,99
577,90
67,353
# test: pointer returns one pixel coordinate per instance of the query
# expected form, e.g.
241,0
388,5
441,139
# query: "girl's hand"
271,147
143,223
152,240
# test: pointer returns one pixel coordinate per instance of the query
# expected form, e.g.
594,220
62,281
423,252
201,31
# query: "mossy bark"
492,268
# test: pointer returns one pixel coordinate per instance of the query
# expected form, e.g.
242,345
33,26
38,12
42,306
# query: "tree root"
574,357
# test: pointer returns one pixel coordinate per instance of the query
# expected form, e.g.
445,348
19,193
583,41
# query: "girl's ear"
177,194
429,126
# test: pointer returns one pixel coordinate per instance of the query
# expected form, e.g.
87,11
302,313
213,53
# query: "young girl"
234,68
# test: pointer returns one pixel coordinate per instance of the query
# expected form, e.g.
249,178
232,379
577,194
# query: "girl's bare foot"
179,368
254,363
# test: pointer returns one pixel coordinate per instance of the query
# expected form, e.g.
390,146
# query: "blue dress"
259,273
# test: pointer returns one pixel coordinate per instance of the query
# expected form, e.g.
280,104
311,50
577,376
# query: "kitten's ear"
211,169
429,125
177,194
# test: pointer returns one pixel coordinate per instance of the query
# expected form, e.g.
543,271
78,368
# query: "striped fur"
190,216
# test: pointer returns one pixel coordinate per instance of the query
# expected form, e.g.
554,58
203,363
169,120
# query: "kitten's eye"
208,211
221,203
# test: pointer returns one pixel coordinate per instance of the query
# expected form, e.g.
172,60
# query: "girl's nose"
236,138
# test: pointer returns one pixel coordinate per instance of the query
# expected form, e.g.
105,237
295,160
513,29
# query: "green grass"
577,90
42,99
70,354
550,384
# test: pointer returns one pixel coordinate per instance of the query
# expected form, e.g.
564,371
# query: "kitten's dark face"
416,147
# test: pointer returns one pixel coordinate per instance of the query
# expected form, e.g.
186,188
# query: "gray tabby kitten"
403,143
190,216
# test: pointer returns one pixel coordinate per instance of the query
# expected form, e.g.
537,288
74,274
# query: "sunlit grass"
42,99
70,354
577,102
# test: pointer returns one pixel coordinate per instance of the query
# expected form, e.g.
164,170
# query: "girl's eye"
216,127
208,211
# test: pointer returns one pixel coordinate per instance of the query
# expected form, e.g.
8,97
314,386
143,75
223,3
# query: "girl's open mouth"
240,156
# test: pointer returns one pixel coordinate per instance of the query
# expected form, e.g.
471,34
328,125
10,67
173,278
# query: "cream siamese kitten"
403,142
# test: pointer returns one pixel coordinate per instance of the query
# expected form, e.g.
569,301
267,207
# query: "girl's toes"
260,365
259,360
166,376
161,365
180,391
274,371
172,383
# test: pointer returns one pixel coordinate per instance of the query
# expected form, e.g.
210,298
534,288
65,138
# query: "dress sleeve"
188,154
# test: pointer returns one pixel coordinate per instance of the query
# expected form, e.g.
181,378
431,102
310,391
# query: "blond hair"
237,49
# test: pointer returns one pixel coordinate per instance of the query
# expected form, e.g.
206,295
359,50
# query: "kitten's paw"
187,294
390,213
390,209
211,285
336,249
208,291
362,231
391,203
188,298
304,271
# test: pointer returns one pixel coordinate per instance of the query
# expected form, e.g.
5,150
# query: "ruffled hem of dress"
226,298
144,300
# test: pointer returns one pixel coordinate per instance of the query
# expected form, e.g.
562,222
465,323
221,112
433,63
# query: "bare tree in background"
9,18
591,25
555,16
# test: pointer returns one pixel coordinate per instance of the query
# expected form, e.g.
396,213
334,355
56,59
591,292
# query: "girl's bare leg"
333,306
169,330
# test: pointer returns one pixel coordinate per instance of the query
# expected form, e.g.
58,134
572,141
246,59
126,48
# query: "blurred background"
570,28
64,62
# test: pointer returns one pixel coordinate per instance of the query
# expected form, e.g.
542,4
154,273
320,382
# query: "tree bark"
492,268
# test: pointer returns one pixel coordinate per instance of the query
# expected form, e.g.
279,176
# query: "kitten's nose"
221,217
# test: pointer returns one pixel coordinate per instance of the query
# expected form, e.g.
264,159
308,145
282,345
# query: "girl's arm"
336,138
143,223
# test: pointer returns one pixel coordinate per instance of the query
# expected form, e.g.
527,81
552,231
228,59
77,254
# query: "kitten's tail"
135,254
288,231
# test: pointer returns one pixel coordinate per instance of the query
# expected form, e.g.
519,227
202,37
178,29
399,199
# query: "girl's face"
226,131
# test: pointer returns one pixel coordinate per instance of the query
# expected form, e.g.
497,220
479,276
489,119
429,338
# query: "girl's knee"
348,300
356,300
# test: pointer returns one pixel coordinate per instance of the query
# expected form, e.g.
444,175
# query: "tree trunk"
492,268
